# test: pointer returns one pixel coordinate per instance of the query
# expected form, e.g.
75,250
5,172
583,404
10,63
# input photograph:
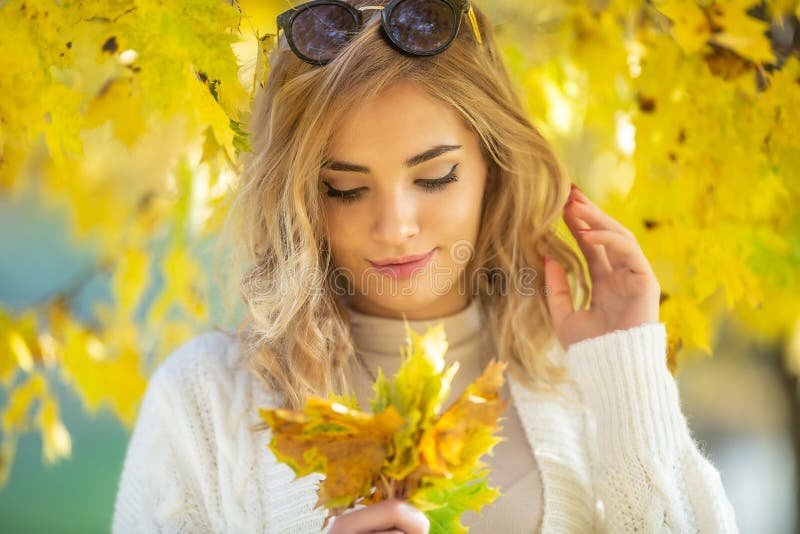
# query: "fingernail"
573,199
573,196
547,259
584,230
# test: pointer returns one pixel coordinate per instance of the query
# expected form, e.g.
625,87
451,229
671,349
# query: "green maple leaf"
445,500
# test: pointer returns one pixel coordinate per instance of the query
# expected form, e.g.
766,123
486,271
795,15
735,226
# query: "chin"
421,305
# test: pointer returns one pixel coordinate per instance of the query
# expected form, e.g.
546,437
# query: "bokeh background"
120,126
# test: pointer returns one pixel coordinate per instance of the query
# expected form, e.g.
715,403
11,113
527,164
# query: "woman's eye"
430,186
351,195
434,185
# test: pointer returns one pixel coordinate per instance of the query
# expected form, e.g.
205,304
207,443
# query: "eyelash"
430,186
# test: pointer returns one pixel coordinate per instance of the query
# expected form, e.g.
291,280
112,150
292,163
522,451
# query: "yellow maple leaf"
725,23
349,446
464,431
689,24
740,32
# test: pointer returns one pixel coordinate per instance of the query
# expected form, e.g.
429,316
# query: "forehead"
399,122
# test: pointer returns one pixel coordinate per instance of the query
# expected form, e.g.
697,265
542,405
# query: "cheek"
344,232
473,208
460,213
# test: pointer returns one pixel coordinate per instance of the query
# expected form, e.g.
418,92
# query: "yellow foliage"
690,25
183,278
721,22
15,415
678,141
98,101
21,351
105,369
131,279
406,448
19,347
56,440
741,33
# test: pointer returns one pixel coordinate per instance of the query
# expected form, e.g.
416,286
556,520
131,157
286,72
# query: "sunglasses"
316,31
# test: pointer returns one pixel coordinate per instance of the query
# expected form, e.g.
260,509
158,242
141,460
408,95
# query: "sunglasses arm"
474,21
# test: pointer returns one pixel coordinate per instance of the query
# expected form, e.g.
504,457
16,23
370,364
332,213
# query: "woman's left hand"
625,292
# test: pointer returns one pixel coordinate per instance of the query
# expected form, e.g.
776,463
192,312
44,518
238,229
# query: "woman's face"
413,176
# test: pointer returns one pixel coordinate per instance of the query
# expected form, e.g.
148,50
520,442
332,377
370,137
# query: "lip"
403,267
400,261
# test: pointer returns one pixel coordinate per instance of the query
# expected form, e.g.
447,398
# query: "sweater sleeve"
650,475
159,481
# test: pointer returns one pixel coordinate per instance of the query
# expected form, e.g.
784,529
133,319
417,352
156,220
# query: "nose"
396,219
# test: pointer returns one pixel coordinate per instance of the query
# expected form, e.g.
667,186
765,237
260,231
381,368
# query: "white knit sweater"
613,449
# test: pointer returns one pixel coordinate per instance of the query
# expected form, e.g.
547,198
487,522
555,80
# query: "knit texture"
644,454
613,449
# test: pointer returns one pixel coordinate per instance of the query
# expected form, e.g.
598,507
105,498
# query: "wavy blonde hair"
296,335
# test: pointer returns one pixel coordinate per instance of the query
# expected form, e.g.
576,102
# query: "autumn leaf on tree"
407,448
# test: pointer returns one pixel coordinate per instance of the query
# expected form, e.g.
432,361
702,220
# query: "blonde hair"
296,335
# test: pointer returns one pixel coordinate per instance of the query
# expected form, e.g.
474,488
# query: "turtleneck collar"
385,336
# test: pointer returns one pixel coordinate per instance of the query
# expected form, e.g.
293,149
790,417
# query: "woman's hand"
625,292
388,517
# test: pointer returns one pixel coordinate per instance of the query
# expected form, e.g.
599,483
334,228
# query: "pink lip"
398,261
403,267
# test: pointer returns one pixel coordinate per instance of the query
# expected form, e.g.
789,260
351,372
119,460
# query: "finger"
622,252
559,301
595,256
392,514
588,211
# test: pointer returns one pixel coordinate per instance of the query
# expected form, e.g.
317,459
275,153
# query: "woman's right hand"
388,517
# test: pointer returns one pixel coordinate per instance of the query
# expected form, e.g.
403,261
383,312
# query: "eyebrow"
410,162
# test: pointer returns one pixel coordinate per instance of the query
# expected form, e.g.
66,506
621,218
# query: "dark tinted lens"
422,25
321,31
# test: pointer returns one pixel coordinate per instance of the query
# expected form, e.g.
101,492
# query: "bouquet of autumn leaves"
407,448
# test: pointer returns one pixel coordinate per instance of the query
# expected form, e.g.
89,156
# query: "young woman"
394,174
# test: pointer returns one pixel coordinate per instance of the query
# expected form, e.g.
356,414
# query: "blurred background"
120,125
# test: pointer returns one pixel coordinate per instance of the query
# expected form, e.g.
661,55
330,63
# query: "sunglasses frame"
458,7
